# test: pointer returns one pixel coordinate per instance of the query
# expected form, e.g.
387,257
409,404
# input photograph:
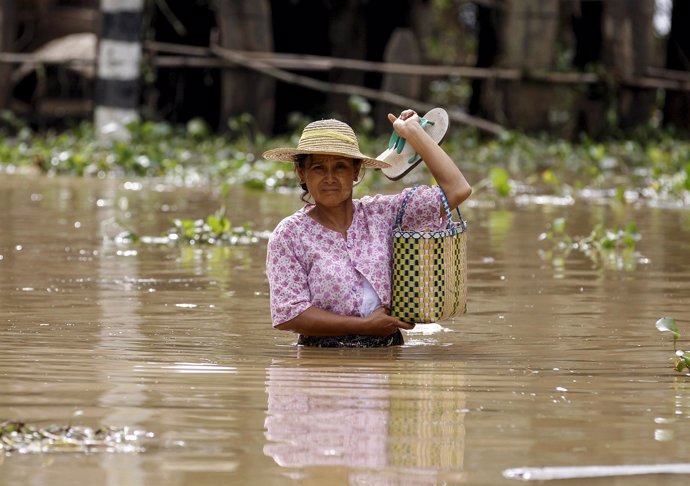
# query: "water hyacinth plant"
610,248
653,167
214,229
681,358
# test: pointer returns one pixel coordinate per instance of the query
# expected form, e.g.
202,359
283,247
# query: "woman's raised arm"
447,174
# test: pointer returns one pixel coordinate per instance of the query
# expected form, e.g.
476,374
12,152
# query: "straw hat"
327,137
401,156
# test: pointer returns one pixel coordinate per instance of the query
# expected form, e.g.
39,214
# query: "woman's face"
329,178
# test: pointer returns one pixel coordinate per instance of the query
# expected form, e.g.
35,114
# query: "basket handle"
444,200
461,220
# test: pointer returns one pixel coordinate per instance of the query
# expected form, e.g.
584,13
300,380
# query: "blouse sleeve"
287,278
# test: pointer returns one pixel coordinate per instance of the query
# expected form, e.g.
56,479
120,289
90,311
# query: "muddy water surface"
556,362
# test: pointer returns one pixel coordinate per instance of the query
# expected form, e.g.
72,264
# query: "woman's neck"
338,218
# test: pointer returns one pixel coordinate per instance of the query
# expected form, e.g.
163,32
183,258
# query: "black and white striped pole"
119,67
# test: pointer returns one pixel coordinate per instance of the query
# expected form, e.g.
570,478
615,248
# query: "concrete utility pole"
119,60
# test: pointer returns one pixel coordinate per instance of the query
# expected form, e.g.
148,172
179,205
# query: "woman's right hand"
381,323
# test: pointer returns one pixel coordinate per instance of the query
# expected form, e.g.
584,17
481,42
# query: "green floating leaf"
668,324
559,226
219,222
500,179
683,360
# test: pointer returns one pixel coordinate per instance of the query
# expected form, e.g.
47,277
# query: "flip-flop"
401,156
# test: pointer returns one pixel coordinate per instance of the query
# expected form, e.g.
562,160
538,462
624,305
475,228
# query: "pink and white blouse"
308,264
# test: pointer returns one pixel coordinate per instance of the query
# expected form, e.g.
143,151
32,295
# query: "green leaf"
225,189
218,224
683,361
686,363
500,180
559,226
215,224
668,324
550,177
620,194
254,184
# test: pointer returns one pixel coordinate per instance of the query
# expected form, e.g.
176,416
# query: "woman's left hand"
404,123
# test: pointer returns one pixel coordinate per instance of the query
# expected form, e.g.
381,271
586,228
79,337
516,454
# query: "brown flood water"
553,365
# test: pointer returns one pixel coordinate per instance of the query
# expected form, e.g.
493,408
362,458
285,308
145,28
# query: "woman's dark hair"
301,162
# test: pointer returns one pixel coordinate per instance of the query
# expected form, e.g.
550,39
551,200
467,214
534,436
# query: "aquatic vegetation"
561,243
652,167
500,180
183,155
610,248
214,229
681,358
21,438
557,235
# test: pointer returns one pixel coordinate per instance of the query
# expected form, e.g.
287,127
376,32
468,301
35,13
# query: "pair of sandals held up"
402,156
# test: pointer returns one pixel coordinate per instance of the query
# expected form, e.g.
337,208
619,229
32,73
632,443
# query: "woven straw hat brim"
326,137
400,163
289,154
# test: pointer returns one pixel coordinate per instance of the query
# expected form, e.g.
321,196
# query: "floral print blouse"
308,264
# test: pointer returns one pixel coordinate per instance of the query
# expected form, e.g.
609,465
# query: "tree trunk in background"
483,91
403,48
629,42
590,107
366,30
677,105
527,38
246,25
347,35
7,36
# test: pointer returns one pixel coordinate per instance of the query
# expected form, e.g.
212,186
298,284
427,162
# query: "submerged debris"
584,472
16,437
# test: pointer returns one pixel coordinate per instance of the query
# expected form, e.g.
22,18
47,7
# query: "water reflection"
124,401
318,418
405,427
672,421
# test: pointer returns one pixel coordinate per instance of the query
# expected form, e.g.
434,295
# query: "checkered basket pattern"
429,275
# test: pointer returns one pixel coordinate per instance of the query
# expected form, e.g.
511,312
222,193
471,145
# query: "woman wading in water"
329,263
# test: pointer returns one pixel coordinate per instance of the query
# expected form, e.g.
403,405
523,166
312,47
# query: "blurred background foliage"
619,130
